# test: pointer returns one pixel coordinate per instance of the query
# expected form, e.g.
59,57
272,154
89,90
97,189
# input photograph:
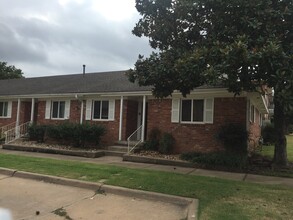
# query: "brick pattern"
6,121
188,137
196,137
112,127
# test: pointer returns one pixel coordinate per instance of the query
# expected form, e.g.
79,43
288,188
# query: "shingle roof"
102,82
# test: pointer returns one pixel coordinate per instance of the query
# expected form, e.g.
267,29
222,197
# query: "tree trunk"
280,154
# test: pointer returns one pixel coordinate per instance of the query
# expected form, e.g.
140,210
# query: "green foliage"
157,141
217,196
244,44
234,138
37,132
76,134
290,129
9,72
241,45
167,142
153,140
268,134
215,159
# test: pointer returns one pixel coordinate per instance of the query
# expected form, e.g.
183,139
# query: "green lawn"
218,198
269,150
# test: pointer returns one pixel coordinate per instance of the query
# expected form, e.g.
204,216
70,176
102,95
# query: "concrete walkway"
32,198
117,161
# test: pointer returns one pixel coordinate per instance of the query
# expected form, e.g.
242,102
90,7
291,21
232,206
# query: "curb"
192,204
160,161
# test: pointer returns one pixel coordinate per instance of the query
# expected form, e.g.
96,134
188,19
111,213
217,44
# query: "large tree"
9,72
242,45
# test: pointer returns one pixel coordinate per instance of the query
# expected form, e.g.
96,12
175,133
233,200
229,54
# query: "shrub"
37,132
225,159
290,129
166,143
268,134
76,134
234,138
153,140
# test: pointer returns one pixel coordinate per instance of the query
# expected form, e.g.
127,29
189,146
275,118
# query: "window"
58,109
4,109
195,110
101,110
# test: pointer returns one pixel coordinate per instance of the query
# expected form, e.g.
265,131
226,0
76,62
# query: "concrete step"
117,148
114,153
125,143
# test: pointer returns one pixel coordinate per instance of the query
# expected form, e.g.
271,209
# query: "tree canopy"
241,45
9,72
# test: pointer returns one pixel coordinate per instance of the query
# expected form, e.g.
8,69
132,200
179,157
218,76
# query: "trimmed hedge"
76,134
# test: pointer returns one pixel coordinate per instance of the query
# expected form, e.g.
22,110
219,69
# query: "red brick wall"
74,116
196,137
6,121
112,127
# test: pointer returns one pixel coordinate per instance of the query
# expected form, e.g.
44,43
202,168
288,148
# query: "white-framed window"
57,109
192,110
100,109
5,109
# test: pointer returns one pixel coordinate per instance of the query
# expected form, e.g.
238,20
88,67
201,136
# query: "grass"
219,199
269,150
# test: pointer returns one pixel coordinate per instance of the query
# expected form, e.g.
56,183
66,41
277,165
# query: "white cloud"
57,37
115,10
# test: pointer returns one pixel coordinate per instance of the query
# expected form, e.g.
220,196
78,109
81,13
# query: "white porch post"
143,118
81,112
17,134
121,119
18,112
32,110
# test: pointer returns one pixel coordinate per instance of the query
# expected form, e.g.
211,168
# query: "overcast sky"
56,37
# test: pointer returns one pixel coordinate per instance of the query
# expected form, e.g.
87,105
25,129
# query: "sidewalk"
117,161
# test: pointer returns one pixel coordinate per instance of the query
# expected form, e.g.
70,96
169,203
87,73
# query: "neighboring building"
108,98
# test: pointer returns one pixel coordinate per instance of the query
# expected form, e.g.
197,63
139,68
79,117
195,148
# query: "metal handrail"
138,141
7,127
17,132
